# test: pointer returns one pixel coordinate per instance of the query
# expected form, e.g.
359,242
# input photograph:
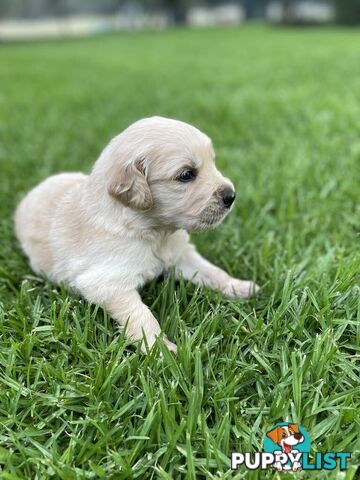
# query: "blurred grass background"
282,107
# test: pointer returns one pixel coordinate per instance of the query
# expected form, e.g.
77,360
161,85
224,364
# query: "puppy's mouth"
287,448
209,218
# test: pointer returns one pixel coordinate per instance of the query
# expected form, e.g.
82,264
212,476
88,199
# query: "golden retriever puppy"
108,233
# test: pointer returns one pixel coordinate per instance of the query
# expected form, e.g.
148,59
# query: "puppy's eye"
186,176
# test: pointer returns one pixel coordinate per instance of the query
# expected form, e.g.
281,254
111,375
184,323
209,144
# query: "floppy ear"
295,427
128,184
274,435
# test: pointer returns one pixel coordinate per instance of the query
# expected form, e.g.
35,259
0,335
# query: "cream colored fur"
108,233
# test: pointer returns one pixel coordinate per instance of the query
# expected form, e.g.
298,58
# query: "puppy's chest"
135,262
154,258
151,267
168,250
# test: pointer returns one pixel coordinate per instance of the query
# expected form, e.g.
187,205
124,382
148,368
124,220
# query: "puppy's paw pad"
241,288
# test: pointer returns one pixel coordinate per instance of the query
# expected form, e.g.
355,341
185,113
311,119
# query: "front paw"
146,345
240,288
171,346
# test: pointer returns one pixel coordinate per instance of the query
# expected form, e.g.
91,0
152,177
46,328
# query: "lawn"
282,106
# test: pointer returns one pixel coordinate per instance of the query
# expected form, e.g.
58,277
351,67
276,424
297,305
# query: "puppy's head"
286,436
166,169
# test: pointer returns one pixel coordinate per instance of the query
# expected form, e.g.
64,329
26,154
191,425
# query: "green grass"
77,401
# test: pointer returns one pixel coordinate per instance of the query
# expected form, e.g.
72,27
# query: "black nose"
298,436
228,197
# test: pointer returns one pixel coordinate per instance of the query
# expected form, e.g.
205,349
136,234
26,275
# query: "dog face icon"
286,436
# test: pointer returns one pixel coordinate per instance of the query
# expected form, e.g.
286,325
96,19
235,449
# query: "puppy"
108,233
287,437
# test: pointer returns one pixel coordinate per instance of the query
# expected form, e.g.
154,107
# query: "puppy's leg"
200,271
128,309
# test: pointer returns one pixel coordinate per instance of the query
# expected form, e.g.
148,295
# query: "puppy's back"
34,216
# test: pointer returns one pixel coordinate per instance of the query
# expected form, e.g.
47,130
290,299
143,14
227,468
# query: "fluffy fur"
108,233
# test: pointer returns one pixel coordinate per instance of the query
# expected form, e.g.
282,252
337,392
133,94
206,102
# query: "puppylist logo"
287,447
